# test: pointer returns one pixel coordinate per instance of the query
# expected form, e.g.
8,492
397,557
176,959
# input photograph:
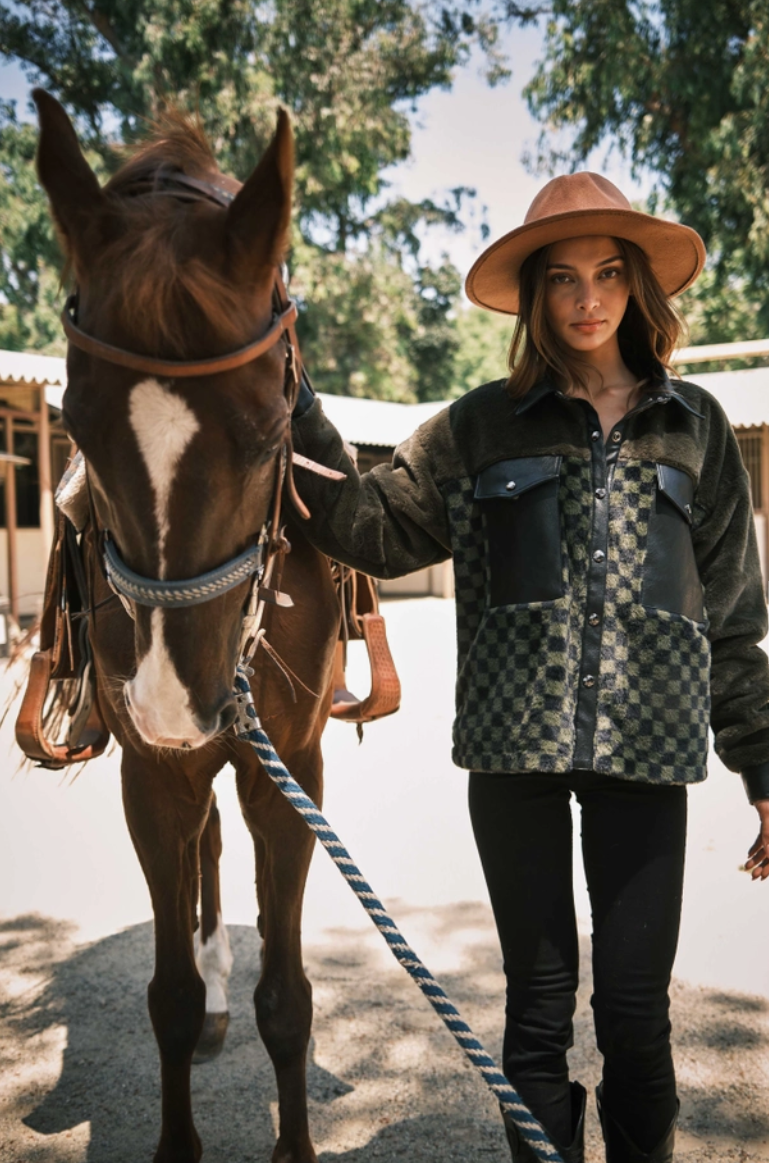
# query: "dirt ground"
78,1069
78,1065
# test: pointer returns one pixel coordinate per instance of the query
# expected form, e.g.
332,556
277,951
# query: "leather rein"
256,561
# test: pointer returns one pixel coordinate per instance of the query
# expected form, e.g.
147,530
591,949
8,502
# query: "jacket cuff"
304,400
756,780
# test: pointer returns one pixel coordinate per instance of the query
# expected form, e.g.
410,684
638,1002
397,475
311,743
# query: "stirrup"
385,695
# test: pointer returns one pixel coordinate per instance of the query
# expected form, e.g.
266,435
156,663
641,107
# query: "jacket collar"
534,395
661,395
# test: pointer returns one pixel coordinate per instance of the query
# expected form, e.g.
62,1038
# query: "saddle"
61,694
61,690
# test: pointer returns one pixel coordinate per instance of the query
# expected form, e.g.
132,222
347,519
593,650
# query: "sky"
469,136
477,136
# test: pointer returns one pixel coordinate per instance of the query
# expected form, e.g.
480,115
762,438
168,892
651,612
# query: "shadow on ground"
79,1076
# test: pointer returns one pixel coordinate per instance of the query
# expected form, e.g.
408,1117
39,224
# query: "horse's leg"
165,811
283,996
212,946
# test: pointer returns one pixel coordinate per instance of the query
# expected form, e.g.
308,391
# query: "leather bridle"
257,560
222,190
284,321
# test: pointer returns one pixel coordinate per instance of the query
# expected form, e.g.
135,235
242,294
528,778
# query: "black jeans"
633,842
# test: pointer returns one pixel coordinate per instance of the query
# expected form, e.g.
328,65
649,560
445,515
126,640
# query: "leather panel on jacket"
671,578
519,502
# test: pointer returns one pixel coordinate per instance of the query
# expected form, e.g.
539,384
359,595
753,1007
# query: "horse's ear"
70,183
258,220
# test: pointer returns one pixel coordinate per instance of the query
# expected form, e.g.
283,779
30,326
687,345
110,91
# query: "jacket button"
600,493
599,556
595,435
510,486
588,680
616,437
594,619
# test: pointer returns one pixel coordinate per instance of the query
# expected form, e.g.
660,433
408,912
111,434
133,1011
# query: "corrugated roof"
744,395
25,367
381,423
30,368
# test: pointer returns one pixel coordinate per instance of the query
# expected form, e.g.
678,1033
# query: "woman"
609,609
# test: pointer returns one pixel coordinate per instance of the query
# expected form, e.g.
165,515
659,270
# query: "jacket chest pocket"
519,502
671,578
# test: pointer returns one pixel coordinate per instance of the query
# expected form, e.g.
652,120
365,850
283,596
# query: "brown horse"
182,469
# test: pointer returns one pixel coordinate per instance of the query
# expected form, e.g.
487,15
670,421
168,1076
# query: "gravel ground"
79,1073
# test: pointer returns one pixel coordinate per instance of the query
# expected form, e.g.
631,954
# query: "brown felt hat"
572,206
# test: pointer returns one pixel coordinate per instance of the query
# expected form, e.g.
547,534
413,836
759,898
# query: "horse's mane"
159,283
175,141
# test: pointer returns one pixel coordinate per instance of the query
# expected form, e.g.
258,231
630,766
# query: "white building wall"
32,562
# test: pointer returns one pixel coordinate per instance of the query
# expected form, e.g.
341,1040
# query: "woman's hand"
757,863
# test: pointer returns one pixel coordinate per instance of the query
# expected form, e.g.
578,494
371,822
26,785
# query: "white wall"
436,581
32,561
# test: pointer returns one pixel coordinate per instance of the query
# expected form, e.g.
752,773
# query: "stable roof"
24,367
743,395
376,423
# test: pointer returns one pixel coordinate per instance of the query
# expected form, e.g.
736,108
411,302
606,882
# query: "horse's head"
182,470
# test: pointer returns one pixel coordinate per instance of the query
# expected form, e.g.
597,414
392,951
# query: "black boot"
620,1149
575,1153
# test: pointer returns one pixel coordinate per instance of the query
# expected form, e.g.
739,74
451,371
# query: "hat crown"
575,193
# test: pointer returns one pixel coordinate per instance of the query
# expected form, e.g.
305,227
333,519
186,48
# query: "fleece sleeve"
727,558
386,522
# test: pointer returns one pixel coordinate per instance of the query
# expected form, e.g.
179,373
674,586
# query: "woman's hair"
648,334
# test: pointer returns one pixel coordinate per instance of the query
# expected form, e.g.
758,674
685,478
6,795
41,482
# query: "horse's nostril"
227,715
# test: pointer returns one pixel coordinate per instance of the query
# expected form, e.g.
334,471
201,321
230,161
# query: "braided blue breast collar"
177,594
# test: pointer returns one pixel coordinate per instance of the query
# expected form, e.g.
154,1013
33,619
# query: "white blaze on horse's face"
163,425
157,700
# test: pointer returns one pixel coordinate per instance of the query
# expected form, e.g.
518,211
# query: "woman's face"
586,292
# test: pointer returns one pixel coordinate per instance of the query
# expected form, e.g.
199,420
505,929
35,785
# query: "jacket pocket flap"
510,478
678,487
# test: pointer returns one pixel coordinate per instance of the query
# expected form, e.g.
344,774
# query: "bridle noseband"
170,595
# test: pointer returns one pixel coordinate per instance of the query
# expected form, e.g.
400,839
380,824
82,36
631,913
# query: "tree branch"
105,29
526,13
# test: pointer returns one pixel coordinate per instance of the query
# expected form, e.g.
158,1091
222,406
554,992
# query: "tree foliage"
681,87
28,317
484,343
375,319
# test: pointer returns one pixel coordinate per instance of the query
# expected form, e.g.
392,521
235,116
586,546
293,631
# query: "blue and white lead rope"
248,727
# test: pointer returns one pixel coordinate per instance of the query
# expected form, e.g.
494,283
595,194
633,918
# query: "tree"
347,70
681,87
28,316
484,342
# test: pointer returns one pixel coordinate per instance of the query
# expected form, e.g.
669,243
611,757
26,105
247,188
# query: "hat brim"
676,253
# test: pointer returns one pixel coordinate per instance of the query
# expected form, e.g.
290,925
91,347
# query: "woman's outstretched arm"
386,522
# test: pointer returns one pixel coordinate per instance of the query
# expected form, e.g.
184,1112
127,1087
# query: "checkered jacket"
608,593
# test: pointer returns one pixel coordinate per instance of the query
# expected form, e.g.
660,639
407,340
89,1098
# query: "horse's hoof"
211,1037
170,1150
296,1154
